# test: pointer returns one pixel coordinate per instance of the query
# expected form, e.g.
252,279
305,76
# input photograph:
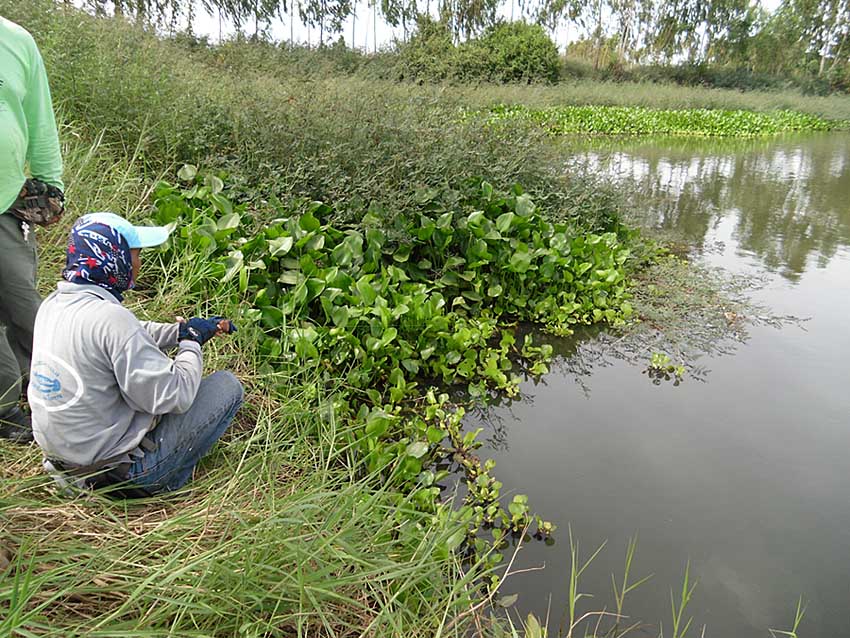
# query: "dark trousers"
19,302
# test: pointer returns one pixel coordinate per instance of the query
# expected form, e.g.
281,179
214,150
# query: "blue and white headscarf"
98,254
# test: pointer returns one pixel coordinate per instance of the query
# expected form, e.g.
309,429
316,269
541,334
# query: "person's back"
79,411
109,405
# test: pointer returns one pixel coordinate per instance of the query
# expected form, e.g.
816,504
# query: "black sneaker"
16,426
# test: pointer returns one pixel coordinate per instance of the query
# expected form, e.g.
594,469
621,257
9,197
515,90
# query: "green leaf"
291,277
410,365
475,218
402,253
222,204
507,601
340,315
316,242
524,205
434,435
187,173
417,449
305,349
228,222
378,423
233,265
309,223
532,627
503,222
280,246
367,292
389,335
272,317
214,183
520,262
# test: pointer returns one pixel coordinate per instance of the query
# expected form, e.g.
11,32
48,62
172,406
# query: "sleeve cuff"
188,344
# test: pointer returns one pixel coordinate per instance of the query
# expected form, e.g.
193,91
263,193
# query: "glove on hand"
202,330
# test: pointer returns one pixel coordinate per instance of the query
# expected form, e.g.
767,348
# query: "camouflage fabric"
39,203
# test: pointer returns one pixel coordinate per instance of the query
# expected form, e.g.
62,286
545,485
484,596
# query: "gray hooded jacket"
99,377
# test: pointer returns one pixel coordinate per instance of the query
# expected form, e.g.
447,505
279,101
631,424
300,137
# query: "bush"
506,52
510,52
430,54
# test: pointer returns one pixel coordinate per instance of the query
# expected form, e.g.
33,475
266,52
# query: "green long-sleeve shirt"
27,125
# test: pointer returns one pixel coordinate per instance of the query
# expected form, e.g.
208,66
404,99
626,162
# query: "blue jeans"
182,439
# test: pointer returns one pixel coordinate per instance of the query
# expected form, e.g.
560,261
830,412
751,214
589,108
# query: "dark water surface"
747,475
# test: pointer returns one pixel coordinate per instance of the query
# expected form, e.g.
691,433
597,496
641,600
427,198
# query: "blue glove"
202,330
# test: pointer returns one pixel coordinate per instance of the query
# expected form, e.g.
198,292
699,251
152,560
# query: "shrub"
506,52
430,54
511,52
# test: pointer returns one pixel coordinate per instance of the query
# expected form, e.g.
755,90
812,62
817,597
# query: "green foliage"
430,54
347,142
281,531
661,368
433,296
799,614
510,52
720,77
505,52
609,120
681,625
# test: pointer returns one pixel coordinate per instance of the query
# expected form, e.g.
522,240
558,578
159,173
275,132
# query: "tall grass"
267,541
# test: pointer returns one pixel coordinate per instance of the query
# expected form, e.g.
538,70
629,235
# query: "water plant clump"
402,311
634,120
661,368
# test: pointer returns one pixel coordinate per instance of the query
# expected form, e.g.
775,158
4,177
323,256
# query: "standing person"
108,405
27,135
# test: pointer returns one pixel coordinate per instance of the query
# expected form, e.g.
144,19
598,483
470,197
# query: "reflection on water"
746,475
789,198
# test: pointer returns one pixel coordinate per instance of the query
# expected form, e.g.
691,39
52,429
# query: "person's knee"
229,386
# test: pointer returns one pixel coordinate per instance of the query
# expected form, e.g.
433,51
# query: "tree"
467,18
328,15
692,26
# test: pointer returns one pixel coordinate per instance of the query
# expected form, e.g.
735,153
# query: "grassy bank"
347,142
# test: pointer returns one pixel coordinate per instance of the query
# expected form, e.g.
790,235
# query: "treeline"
723,42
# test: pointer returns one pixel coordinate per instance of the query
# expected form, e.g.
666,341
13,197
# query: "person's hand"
202,330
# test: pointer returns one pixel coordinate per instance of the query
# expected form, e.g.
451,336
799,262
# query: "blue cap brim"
149,236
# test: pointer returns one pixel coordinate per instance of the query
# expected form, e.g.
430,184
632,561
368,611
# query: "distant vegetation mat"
630,120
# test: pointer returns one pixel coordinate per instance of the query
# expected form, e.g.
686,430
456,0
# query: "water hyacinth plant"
405,311
634,120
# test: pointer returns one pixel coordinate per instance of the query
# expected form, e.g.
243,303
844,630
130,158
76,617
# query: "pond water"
745,474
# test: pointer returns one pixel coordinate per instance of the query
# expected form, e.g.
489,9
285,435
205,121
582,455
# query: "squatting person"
109,407
27,135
